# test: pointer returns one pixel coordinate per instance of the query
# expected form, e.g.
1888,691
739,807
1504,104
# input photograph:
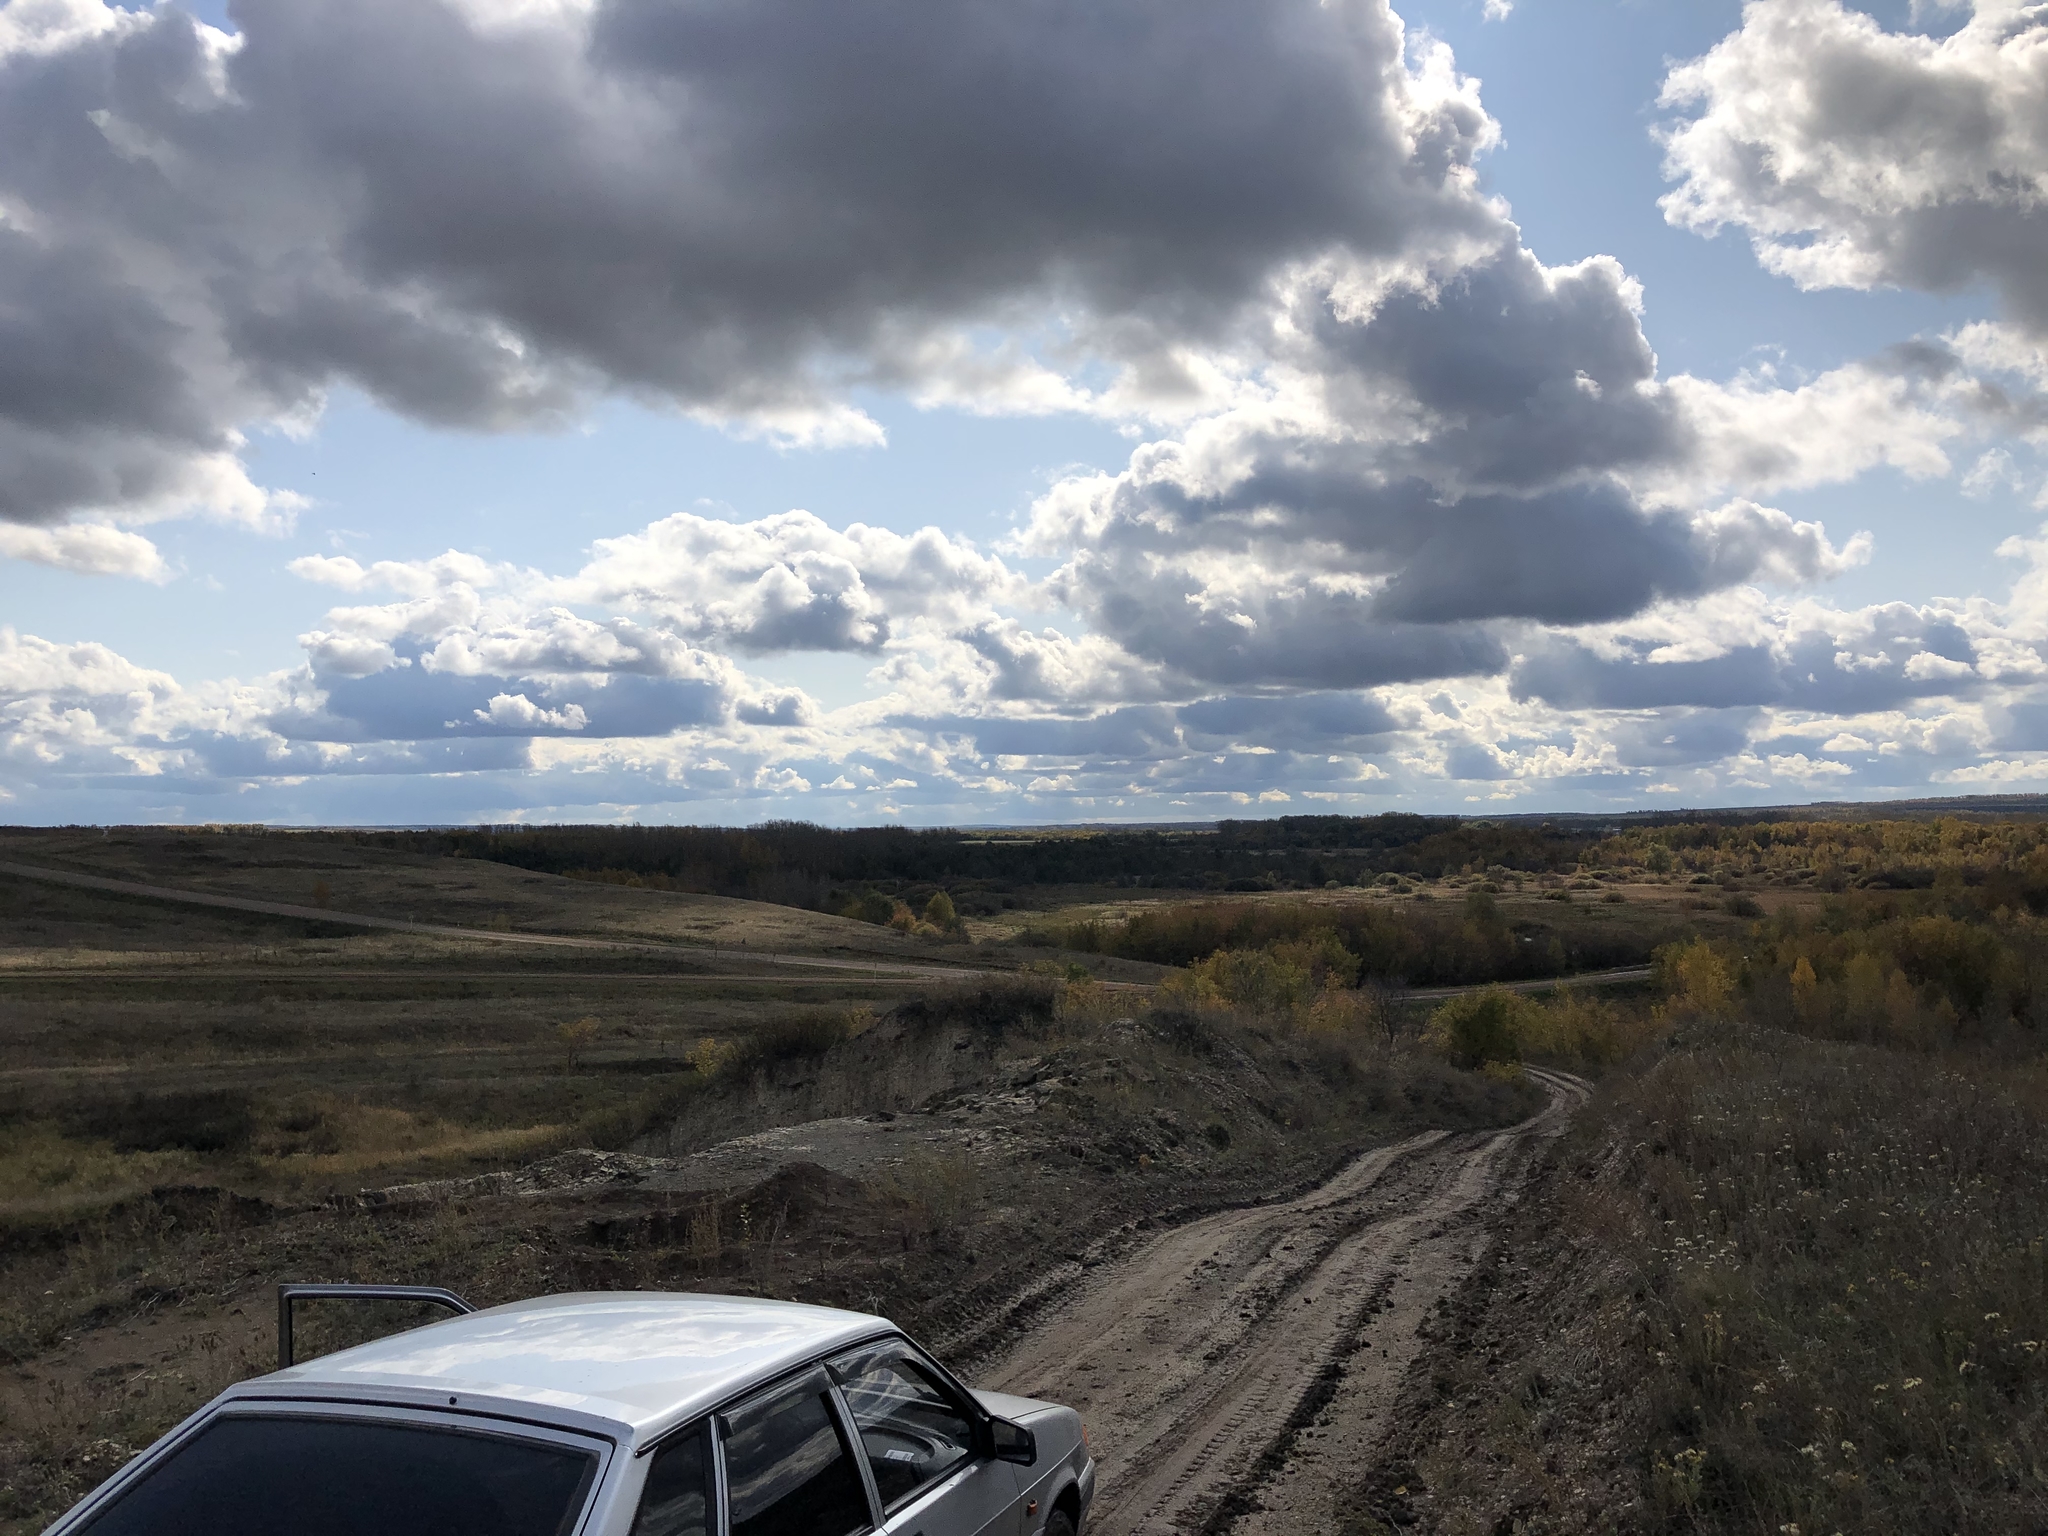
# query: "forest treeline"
1438,943
800,864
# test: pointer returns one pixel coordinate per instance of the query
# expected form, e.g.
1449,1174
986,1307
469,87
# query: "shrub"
1478,1027
1584,1029
992,1008
872,907
1259,981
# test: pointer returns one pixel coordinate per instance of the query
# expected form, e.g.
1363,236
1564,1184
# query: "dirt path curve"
1232,1371
488,935
1618,976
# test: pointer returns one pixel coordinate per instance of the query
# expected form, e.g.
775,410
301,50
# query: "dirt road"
1233,1371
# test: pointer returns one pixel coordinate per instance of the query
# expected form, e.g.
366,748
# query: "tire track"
1198,1359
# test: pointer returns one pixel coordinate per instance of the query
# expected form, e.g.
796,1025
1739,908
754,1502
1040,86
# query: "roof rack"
288,1294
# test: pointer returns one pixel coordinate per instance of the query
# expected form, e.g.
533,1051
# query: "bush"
872,907
1584,1029
1478,1027
1423,944
1497,1026
1256,980
992,1009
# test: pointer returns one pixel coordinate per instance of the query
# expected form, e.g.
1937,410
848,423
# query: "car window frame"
842,1424
849,1431
949,1388
706,1424
604,1448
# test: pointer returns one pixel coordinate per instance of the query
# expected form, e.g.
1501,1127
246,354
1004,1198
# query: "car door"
788,1467
925,1450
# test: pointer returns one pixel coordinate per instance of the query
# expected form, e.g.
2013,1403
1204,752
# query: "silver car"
609,1414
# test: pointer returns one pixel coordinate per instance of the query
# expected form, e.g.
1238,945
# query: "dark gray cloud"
1305,722
415,703
1677,737
739,206
1467,453
1886,657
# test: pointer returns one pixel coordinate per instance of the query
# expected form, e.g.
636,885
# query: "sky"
443,411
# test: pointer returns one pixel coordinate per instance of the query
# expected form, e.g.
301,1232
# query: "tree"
576,1036
1382,1003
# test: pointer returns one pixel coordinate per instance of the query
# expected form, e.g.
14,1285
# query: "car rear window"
271,1475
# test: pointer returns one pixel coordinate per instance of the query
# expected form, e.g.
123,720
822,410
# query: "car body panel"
645,1361
624,1370
1063,1460
978,1500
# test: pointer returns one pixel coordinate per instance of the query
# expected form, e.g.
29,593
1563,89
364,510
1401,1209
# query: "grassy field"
472,893
1786,1276
199,1103
143,1043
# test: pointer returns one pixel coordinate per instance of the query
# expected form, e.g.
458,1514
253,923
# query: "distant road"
1540,984
485,935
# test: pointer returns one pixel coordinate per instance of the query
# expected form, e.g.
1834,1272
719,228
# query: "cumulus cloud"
1806,656
1494,446
1416,508
517,713
1859,157
484,214
93,548
792,582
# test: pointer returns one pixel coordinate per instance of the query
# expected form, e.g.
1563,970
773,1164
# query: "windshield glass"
270,1475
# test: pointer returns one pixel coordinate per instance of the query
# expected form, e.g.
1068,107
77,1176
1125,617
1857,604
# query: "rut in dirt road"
1195,1360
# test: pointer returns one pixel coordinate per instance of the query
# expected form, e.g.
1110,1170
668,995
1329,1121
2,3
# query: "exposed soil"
1233,1371
1524,1412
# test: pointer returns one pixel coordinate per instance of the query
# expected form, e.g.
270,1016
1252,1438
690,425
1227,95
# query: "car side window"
677,1498
788,1471
912,1430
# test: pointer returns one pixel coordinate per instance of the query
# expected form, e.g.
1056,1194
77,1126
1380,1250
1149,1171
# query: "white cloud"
792,582
1857,157
93,548
1999,771
516,711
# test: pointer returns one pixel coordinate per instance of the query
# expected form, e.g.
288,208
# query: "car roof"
645,1360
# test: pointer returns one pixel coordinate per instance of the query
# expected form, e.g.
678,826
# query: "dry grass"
314,871
1845,1257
